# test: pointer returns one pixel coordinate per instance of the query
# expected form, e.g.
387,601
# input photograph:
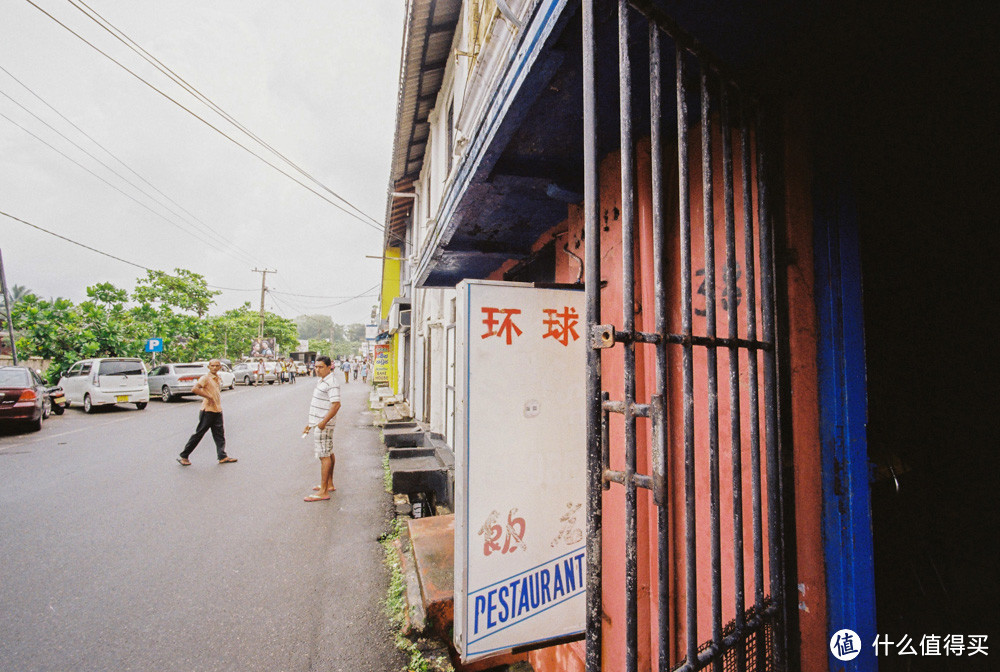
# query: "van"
105,381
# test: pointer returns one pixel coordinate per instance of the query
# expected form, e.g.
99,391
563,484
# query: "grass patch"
386,473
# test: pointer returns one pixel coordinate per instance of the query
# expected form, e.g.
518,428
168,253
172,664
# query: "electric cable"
116,158
213,127
107,254
120,35
121,191
243,257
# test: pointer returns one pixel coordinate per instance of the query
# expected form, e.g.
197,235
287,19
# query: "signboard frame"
520,467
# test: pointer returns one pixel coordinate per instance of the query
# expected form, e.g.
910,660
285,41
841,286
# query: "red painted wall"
804,410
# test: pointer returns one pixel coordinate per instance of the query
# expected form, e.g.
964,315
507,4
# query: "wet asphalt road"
114,557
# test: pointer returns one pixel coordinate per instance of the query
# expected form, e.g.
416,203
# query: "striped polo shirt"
327,391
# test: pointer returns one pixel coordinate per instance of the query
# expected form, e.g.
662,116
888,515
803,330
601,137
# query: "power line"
146,268
124,193
118,34
115,157
210,125
244,258
70,240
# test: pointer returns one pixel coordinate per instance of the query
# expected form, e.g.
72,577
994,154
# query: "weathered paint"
804,430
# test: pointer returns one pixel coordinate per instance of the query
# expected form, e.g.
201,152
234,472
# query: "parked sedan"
226,376
301,369
24,397
170,381
246,373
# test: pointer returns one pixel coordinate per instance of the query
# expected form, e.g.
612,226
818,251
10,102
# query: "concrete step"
411,451
425,473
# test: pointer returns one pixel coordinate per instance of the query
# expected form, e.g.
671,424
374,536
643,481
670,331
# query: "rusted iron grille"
752,641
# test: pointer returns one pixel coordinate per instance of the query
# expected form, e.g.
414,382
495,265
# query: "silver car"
169,381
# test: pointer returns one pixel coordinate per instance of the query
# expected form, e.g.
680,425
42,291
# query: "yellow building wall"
390,290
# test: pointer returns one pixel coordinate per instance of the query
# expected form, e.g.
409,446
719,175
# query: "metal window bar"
753,639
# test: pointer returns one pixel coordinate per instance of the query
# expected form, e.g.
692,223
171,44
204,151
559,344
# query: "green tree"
320,346
355,333
185,290
315,326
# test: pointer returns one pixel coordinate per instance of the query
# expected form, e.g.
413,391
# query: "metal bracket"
602,336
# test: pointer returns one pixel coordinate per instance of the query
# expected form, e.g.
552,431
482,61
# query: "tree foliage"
107,324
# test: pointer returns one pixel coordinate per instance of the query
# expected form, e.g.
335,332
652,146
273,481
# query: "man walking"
209,389
322,418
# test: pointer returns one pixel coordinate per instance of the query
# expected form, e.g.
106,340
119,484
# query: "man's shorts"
323,441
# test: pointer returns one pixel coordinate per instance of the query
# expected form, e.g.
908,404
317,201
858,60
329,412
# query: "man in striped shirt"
322,417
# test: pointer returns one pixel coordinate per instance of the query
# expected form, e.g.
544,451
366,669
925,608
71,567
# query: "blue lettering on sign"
518,598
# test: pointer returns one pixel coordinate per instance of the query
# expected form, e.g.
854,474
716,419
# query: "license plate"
58,400
121,398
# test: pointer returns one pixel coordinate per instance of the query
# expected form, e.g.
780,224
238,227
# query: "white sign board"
520,466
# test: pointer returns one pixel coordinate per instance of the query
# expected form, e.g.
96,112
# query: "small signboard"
380,370
520,467
154,345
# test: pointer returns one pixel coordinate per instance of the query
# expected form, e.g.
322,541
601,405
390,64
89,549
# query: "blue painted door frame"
847,521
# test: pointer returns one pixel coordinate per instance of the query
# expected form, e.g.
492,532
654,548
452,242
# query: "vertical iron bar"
753,383
659,279
628,324
767,297
712,359
595,467
734,376
684,208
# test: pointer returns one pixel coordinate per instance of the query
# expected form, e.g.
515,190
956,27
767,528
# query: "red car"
24,397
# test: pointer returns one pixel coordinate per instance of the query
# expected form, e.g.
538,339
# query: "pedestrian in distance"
291,370
346,368
209,388
354,369
261,371
323,410
364,372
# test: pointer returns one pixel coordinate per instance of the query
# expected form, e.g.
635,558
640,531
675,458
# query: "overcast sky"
316,79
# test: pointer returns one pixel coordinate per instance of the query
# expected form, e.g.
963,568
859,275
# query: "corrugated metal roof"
430,29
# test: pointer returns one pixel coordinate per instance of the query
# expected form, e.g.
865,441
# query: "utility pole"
263,290
6,303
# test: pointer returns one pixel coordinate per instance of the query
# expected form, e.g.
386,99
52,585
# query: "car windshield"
121,368
14,378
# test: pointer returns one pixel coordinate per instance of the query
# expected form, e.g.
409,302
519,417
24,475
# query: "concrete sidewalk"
354,633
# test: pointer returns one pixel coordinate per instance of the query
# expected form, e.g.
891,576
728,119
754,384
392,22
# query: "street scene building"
777,215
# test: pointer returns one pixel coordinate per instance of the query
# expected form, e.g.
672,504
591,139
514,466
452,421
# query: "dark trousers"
207,420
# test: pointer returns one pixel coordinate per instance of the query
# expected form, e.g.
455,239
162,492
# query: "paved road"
114,557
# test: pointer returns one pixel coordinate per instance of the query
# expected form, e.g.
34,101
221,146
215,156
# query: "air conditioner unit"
399,316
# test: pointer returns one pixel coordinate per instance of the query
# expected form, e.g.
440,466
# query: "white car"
106,381
226,375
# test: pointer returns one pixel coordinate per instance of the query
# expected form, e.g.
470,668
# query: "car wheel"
246,380
46,408
232,385
58,410
165,394
141,405
36,425
88,405
270,382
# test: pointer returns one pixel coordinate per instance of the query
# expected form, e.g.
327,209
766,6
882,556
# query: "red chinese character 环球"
506,325
561,326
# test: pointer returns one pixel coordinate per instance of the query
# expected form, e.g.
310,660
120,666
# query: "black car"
24,397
